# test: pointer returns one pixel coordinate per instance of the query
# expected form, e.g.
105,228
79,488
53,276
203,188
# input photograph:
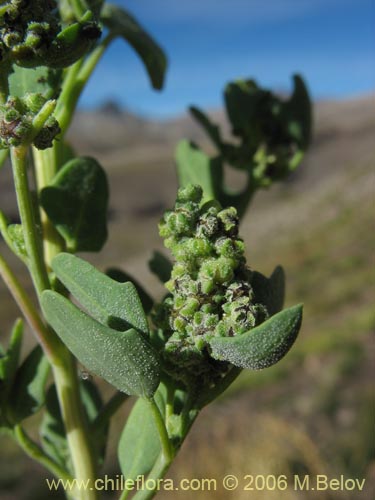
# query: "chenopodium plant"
218,317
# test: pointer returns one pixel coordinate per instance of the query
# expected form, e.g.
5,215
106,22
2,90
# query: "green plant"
218,316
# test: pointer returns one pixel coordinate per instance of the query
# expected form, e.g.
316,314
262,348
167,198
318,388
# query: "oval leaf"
139,445
112,303
28,392
76,203
9,360
124,359
121,23
263,346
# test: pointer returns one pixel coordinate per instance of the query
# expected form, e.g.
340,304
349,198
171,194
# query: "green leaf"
299,112
161,266
76,204
125,359
114,304
52,429
28,392
52,432
243,100
41,80
270,291
123,277
212,130
262,346
195,167
121,23
139,444
15,233
9,360
13,236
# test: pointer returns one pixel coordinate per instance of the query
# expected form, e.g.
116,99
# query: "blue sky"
209,42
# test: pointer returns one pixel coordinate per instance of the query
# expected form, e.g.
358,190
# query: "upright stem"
24,303
165,443
46,167
76,79
25,205
62,362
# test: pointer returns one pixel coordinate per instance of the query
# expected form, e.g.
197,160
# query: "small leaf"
76,204
195,167
9,360
114,304
243,100
41,80
15,233
125,359
28,392
121,23
161,266
139,444
123,277
300,113
270,291
13,237
262,346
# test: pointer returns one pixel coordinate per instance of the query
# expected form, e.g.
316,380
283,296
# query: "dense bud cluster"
31,34
211,294
16,118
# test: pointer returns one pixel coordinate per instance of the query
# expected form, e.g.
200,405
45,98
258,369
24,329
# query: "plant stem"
63,363
30,313
46,167
76,425
163,434
25,205
37,454
157,472
76,79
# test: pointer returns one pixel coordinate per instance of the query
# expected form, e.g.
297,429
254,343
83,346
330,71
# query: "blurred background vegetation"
313,413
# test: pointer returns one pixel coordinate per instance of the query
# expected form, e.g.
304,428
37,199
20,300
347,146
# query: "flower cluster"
210,290
16,120
31,34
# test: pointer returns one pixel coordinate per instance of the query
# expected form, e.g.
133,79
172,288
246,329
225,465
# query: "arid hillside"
313,412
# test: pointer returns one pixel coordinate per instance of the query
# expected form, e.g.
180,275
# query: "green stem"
166,447
63,363
37,454
46,166
76,79
77,8
76,425
25,205
157,472
30,313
